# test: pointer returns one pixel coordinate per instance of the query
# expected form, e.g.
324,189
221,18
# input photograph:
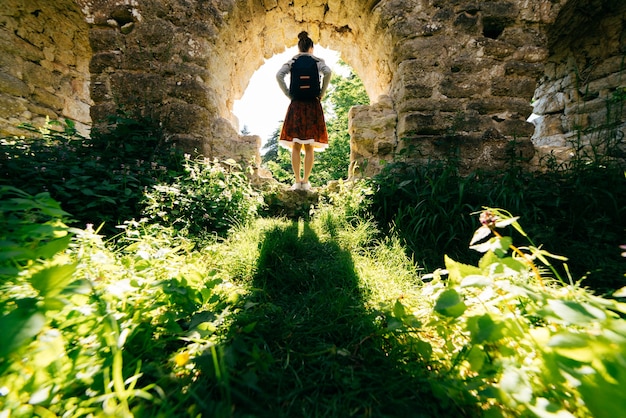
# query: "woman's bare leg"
295,160
309,157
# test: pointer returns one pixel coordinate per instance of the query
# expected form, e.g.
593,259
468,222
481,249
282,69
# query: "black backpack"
305,79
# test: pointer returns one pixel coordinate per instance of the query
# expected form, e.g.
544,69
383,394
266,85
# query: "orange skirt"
305,124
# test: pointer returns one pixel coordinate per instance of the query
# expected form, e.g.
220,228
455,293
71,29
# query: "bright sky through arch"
263,105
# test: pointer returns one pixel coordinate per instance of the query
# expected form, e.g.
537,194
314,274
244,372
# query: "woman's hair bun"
303,35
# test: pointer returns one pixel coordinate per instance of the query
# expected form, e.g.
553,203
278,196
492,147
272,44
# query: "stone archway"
185,63
444,76
441,74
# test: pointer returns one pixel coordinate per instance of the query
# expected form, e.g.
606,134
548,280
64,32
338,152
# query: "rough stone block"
524,69
513,86
138,89
467,22
461,86
103,40
16,46
36,75
41,111
496,48
49,100
100,112
547,126
191,91
11,106
425,123
429,104
13,86
493,105
104,62
99,91
515,128
185,118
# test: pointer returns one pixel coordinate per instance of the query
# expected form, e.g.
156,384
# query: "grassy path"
308,342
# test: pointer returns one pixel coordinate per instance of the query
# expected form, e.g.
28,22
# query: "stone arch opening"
441,75
185,63
350,29
262,106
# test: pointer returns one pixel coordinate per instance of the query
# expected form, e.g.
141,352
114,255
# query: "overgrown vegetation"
576,208
580,212
126,173
408,294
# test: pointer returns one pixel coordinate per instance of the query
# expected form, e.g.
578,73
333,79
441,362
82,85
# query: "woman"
304,125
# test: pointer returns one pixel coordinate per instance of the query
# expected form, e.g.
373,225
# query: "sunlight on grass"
196,305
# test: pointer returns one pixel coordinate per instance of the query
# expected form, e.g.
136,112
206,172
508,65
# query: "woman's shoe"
305,186
296,186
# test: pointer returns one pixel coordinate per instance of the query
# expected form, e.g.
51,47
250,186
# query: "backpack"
305,79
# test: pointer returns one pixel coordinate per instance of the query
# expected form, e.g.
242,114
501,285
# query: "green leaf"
52,247
544,409
484,329
575,312
450,304
514,264
53,280
398,310
422,349
18,327
456,271
12,251
572,346
604,400
476,358
487,260
249,328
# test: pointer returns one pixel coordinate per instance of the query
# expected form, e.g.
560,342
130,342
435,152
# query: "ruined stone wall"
445,77
44,64
580,98
464,74
160,60
184,63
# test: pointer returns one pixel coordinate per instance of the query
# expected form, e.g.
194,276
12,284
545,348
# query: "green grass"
309,341
198,307
285,318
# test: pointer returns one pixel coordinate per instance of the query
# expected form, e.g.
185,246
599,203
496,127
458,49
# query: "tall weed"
579,211
518,340
89,330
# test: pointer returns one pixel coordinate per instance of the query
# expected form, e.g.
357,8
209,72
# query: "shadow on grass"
305,346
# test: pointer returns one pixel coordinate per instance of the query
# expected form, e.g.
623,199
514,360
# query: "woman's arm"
280,77
326,71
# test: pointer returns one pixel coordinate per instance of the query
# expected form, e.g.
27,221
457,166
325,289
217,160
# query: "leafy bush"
511,337
91,331
97,180
127,173
207,197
